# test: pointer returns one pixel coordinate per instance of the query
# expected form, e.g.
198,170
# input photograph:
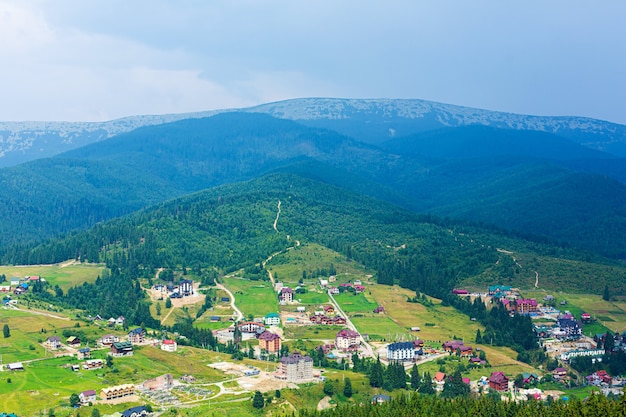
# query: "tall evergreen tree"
376,374
347,388
257,401
416,378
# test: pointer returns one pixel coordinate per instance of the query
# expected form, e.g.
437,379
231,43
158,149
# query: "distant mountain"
371,121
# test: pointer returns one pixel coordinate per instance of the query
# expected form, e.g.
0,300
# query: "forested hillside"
526,183
231,227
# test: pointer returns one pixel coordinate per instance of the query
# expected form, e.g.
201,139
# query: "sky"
88,60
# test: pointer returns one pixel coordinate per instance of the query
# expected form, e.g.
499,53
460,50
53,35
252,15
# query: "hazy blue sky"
99,60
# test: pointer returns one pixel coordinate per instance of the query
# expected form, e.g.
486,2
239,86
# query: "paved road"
232,301
368,349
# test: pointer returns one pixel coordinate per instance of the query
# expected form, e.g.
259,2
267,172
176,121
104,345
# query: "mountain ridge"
368,120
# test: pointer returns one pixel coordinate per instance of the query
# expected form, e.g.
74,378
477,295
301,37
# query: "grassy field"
355,303
312,298
287,267
311,332
381,328
65,275
253,297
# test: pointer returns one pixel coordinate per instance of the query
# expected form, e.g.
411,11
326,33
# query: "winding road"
232,301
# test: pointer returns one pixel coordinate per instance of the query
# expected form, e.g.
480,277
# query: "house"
401,351
137,335
499,382
111,322
529,378
108,340
599,378
73,341
570,328
324,283
186,287
272,319
269,341
333,290
500,290
84,353
347,340
225,300
53,342
122,349
120,321
93,364
295,368
452,346
477,361
439,380
300,309
33,278
139,411
285,295
329,310
359,288
459,291
542,331
215,319
169,345
559,373
117,391
5,288
379,309
586,318
87,397
15,282
380,398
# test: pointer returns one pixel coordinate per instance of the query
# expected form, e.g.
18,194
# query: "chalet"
111,322
324,283
329,309
542,331
529,378
33,278
118,391
300,309
380,398
120,321
347,340
251,327
359,288
272,319
137,335
452,346
225,300
285,295
599,378
571,328
108,340
139,411
269,341
439,380
499,382
15,282
5,288
459,291
215,319
169,345
417,343
499,291
73,341
586,318
53,342
93,364
87,397
84,353
186,287
465,351
122,349
559,373
379,309
477,361
401,351
333,290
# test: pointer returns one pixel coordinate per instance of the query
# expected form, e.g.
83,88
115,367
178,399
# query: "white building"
401,351
347,339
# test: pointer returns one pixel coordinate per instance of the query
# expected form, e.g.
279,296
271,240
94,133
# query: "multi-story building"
296,368
401,351
269,341
347,340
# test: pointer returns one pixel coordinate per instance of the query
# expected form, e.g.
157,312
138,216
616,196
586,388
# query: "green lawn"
65,275
315,298
380,328
355,303
311,332
253,297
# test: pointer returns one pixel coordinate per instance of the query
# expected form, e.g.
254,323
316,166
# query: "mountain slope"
231,227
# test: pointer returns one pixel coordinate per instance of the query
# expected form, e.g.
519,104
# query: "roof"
269,315
54,339
169,342
84,350
139,409
123,345
137,331
295,357
347,333
268,336
439,376
88,393
380,398
498,377
400,346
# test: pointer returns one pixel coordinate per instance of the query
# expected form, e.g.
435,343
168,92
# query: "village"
262,338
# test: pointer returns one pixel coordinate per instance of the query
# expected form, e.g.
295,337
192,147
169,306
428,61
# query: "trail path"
536,279
277,216
232,301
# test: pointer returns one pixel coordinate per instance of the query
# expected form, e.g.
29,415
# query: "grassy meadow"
253,297
65,275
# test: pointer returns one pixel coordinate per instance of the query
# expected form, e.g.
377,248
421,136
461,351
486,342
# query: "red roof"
268,336
439,376
347,333
498,377
168,342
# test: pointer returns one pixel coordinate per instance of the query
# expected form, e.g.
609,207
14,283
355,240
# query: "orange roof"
439,376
